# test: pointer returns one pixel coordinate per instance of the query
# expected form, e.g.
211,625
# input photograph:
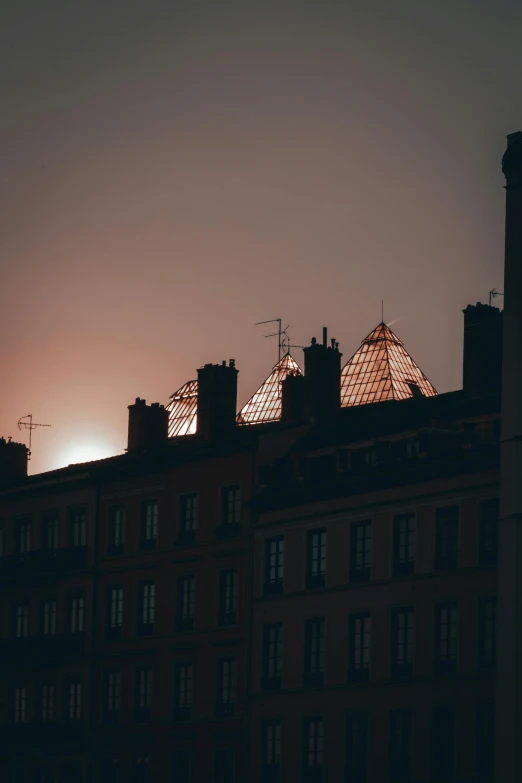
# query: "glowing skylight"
183,409
265,405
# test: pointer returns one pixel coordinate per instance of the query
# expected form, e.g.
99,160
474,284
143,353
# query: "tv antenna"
493,294
30,425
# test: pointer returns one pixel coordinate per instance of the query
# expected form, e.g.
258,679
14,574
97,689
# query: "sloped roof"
183,409
382,369
265,405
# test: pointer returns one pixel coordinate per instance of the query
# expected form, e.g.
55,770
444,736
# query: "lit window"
446,637
186,600
227,679
228,597
149,524
183,684
316,565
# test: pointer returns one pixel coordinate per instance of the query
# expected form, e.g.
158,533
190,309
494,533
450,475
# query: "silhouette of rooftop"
183,409
265,404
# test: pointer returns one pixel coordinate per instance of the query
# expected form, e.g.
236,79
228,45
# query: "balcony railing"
42,562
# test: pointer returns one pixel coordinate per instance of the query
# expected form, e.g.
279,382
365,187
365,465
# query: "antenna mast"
493,294
29,425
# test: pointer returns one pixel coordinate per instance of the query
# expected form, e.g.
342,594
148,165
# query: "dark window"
274,565
404,529
316,558
50,531
227,686
485,743
143,699
357,747
146,608
74,701
23,537
21,620
49,617
231,505
224,765
447,538
183,689
182,766
188,518
228,597
271,752
78,527
400,747
115,610
76,614
47,703
272,655
141,769
360,640
20,704
361,551
313,746
443,745
149,524
112,696
117,525
403,644
186,596
488,550
315,643
487,618
446,637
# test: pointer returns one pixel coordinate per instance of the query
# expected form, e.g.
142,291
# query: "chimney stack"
293,397
482,366
13,461
217,400
148,426
323,379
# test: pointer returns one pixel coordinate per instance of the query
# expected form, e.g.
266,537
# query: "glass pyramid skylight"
183,409
265,405
380,370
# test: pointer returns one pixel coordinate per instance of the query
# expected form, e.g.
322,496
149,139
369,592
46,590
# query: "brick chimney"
217,400
323,379
482,366
148,426
13,461
293,398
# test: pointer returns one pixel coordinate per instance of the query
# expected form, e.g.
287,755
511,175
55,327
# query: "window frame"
182,707
403,566
117,514
185,620
227,686
316,561
359,672
447,561
187,533
146,608
146,541
228,615
276,585
315,651
443,664
403,669
271,675
361,573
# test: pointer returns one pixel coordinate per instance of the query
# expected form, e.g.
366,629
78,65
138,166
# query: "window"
21,620
443,745
78,525
117,530
183,686
20,704
115,610
359,641
361,551
50,532
315,642
144,680
23,537
485,743
186,596
447,538
313,750
141,769
488,550
231,505
182,766
227,679
47,703
76,614
403,643
274,565
316,558
487,617
404,544
400,747
188,518
112,696
147,606
272,655
228,597
271,751
224,765
357,747
149,524
446,637
49,617
74,711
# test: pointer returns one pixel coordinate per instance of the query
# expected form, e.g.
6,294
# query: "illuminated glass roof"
380,370
265,404
183,409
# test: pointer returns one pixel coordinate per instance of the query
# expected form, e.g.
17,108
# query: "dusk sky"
173,172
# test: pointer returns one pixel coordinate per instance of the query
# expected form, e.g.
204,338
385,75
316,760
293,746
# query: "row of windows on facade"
184,617
404,547
446,644
399,751
223,767
188,524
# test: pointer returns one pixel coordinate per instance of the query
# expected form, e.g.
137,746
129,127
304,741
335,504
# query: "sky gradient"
173,172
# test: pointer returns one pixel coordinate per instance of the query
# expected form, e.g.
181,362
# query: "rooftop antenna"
281,334
493,294
382,311
29,425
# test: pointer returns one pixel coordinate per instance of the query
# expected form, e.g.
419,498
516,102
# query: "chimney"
293,391
482,366
217,400
13,461
323,379
148,426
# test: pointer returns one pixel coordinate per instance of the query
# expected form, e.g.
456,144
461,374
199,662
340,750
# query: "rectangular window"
271,752
49,617
227,685
183,689
224,765
188,518
488,549
315,650
147,608
485,743
50,531
400,747
272,655
112,696
47,702
20,704
274,565
487,647
149,524
76,614
443,745
144,682
447,538
231,505
228,596
141,769
117,530
313,746
403,642
23,537
357,747
361,551
316,558
186,600
182,766
404,529
446,637
74,711
114,610
78,527
359,641
21,620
